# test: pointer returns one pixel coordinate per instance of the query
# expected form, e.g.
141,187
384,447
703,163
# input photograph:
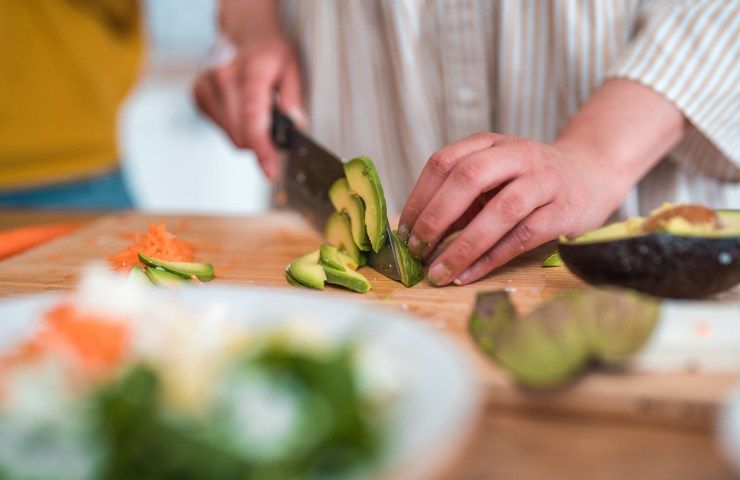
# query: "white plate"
440,396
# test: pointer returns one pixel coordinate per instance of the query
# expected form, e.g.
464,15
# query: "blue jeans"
107,192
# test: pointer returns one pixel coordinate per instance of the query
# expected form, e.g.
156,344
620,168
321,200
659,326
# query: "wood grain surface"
255,250
606,426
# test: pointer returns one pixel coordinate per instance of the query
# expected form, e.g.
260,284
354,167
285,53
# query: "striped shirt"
397,80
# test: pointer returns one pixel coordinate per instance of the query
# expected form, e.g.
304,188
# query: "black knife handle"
280,128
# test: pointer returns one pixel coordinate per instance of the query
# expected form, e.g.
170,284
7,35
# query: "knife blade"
309,170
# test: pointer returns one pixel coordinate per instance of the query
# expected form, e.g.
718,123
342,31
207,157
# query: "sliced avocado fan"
202,271
363,179
338,232
347,201
327,264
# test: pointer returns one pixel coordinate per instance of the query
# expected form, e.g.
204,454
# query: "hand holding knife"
309,170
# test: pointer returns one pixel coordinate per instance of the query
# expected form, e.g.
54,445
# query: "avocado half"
688,261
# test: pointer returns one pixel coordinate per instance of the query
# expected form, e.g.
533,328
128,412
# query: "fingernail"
403,231
440,274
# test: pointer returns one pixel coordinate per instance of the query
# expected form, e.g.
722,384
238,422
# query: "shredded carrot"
96,344
156,242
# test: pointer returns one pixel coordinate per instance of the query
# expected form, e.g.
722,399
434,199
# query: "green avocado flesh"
553,260
349,279
307,271
293,281
492,313
202,271
347,201
338,232
138,273
326,265
410,268
329,257
550,346
163,277
678,259
363,179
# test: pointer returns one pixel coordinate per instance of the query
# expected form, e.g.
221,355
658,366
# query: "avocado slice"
202,271
681,260
289,278
363,179
338,233
159,276
330,256
617,323
553,260
348,278
409,267
553,344
138,274
493,312
339,270
347,201
307,271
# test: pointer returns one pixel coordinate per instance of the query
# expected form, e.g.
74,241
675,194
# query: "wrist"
245,21
601,169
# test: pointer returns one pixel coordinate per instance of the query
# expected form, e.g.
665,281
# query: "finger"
290,96
207,99
502,214
255,104
434,173
223,83
227,80
543,225
468,179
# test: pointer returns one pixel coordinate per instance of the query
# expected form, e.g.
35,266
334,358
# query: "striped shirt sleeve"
689,52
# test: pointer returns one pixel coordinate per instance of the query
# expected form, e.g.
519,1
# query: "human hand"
508,195
238,95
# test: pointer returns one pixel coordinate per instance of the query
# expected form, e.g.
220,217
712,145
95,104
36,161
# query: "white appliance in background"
174,159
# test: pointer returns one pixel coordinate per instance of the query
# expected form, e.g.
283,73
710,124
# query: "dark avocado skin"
659,264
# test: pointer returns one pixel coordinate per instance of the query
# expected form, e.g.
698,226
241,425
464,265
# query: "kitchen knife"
309,170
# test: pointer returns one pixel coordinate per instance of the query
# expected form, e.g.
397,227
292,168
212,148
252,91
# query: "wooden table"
606,426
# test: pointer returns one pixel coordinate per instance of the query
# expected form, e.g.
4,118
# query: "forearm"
239,19
624,129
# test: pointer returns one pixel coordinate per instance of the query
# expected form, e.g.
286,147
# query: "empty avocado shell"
556,342
682,251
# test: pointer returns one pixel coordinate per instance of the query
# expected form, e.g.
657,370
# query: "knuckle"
522,235
428,225
458,257
468,173
487,260
462,248
441,162
509,206
413,210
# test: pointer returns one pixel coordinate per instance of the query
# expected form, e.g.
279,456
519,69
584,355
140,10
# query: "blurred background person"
65,68
97,112
589,106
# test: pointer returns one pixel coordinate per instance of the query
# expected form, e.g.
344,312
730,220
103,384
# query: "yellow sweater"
65,67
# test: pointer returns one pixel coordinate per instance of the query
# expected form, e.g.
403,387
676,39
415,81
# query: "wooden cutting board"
255,251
